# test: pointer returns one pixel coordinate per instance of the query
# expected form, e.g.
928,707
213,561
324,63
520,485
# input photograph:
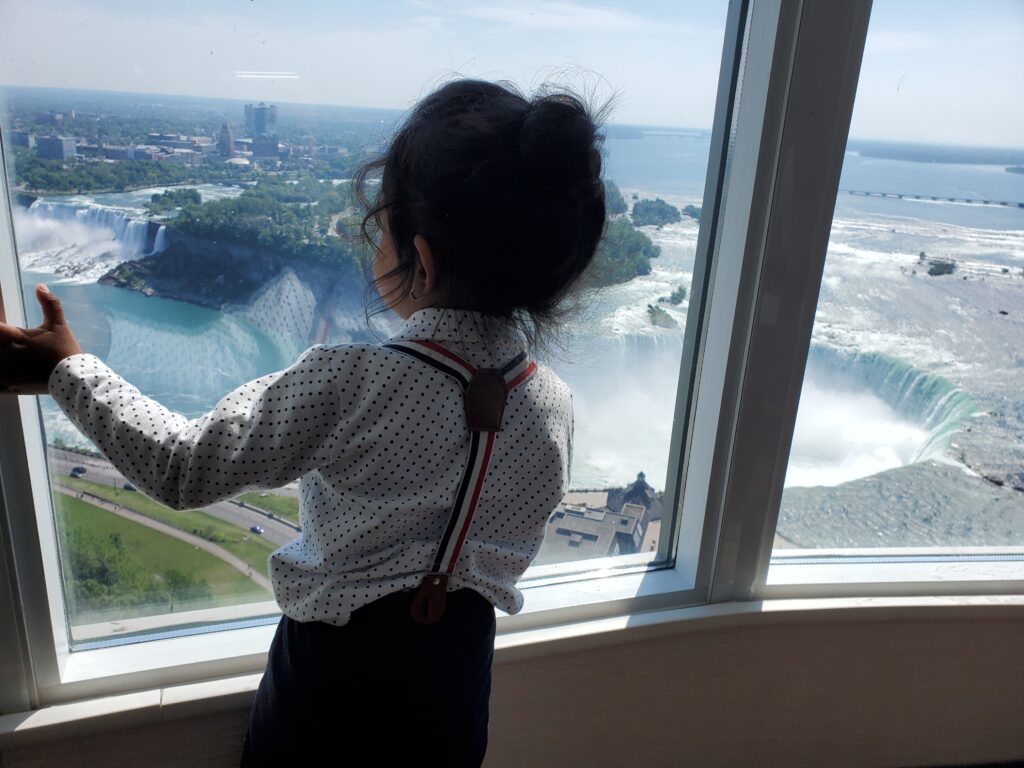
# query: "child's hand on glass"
29,355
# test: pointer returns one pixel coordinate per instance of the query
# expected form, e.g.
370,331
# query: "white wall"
820,693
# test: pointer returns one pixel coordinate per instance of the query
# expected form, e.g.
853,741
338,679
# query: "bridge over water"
935,198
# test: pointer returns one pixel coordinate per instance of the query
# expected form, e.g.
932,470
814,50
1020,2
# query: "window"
685,403
199,242
907,452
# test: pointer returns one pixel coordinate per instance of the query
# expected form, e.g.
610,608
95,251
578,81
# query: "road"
99,470
200,543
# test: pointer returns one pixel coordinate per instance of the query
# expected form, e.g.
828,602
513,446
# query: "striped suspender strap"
484,392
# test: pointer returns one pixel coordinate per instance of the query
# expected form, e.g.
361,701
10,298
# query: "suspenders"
484,393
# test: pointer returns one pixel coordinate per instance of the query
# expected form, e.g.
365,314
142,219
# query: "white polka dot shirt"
379,440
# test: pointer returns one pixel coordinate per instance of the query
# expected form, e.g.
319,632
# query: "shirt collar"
495,338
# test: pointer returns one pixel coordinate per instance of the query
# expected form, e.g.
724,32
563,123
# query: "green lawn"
253,549
285,507
156,553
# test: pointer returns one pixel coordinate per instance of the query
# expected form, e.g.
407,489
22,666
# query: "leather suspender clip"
430,599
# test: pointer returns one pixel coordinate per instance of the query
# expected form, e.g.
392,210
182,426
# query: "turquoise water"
184,355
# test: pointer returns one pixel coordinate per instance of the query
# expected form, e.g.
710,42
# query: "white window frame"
747,336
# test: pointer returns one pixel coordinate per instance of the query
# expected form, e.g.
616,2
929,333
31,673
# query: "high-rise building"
55,147
260,119
226,141
266,120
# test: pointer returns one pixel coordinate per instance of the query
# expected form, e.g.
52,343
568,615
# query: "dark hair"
506,190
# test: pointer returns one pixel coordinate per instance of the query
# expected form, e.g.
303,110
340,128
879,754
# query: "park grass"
285,507
239,542
156,553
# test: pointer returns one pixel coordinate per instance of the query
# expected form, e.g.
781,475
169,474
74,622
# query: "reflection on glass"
911,415
200,242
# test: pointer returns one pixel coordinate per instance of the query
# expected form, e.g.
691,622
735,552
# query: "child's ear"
427,264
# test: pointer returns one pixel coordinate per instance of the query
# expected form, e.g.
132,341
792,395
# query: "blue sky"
936,71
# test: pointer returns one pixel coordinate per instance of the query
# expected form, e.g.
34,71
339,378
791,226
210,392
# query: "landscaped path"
196,541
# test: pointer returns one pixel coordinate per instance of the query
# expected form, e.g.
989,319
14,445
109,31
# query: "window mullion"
811,101
690,522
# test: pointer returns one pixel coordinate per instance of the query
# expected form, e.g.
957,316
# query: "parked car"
257,529
77,471
128,487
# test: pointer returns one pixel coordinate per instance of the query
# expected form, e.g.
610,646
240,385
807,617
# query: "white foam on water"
843,435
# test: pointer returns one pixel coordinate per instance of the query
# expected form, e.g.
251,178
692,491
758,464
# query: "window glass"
911,414
180,177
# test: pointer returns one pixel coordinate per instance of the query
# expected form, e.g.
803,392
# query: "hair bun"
557,148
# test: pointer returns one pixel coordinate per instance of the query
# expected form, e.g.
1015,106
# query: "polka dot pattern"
379,440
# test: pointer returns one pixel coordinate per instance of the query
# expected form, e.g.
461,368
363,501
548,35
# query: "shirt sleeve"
263,434
572,431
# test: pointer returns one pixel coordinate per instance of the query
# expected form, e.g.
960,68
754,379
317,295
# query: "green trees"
54,176
173,198
103,574
623,253
677,297
656,212
291,220
614,202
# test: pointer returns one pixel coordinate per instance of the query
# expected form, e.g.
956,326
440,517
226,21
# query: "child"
429,465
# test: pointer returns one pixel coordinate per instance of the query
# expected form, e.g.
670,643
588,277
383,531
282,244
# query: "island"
676,298
623,253
660,318
222,252
656,212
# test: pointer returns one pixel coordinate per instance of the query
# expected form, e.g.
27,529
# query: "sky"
934,71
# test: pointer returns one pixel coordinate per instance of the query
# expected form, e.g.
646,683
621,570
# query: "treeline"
41,175
291,219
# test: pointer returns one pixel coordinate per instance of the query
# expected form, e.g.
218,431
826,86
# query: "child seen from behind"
429,464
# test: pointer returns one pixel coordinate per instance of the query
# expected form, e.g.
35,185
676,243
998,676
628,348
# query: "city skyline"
919,79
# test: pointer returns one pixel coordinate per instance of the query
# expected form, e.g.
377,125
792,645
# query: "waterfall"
135,235
160,241
925,399
82,241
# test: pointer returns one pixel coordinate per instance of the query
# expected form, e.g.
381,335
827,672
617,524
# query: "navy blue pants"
381,690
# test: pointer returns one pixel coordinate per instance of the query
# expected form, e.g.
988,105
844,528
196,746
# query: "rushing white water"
79,238
81,243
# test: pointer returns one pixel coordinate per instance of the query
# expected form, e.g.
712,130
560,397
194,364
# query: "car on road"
257,529
77,471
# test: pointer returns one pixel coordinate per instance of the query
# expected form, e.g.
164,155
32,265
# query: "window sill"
235,691
554,597
798,573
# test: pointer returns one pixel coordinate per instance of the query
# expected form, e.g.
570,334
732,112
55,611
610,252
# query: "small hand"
29,355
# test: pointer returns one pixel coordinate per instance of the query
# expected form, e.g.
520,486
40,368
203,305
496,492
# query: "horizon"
931,73
4,87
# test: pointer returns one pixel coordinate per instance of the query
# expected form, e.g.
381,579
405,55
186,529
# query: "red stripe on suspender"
522,376
473,501
450,355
